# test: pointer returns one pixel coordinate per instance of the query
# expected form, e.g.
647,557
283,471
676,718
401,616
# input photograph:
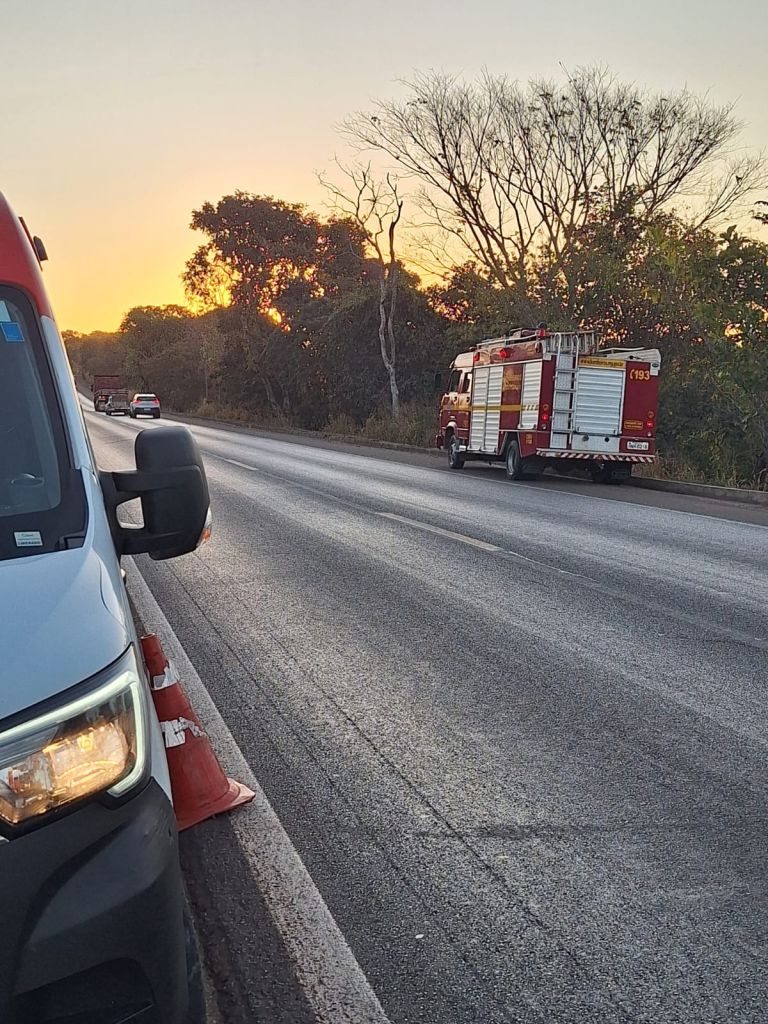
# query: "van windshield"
41,497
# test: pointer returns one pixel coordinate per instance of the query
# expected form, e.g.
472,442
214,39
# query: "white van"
92,910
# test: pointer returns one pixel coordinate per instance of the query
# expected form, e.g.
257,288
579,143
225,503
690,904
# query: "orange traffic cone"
200,788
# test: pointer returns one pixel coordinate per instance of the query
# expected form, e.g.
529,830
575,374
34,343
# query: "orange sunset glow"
120,119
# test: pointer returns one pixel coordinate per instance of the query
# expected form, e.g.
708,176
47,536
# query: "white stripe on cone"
175,731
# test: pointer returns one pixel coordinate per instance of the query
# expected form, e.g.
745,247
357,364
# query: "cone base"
236,795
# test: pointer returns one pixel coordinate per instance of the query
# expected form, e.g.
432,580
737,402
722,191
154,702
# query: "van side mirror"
170,482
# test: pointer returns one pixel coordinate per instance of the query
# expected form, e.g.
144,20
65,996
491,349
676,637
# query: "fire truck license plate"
637,446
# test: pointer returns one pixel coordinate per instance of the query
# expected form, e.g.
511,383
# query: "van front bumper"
92,918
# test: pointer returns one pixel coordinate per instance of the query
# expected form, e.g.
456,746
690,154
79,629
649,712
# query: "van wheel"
514,461
455,455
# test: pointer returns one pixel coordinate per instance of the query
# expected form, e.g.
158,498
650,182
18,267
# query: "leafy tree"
475,305
97,353
278,260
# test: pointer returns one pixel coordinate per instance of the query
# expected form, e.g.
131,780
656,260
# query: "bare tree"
376,206
506,171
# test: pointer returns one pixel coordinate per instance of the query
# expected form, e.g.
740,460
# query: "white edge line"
461,537
332,980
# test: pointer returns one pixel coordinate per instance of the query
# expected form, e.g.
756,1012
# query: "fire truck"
539,399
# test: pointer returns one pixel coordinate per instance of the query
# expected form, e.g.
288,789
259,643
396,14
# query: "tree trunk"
387,300
394,392
270,393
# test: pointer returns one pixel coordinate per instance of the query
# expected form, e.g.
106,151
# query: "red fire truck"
539,398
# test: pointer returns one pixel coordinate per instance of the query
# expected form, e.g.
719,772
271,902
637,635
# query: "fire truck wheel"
514,462
455,458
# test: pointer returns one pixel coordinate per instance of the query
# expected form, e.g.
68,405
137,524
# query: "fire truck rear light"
544,418
476,357
649,424
503,353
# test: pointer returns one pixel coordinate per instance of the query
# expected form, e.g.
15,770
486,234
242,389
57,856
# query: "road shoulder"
271,947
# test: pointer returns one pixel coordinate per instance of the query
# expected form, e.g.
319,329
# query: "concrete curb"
740,495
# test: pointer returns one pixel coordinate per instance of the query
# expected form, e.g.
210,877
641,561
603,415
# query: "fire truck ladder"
566,348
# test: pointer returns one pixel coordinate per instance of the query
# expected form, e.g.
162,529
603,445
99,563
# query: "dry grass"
671,467
234,414
416,425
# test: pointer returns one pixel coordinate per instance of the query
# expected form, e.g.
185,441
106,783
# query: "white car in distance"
145,405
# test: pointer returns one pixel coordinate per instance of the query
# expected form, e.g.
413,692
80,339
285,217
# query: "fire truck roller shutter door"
531,391
479,403
598,403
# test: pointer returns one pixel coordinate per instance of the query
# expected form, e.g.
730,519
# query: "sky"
120,117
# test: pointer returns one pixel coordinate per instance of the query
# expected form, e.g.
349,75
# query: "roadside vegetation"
469,209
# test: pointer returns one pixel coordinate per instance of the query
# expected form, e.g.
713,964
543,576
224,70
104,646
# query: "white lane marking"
332,980
461,537
483,545
449,534
234,462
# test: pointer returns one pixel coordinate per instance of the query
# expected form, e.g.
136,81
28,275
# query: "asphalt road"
517,733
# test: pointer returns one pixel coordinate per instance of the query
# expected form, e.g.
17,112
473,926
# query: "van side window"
466,382
29,472
453,383
42,499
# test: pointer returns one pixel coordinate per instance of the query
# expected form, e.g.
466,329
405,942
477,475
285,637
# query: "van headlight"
94,743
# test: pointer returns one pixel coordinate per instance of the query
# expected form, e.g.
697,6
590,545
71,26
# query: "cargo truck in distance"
539,399
103,386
